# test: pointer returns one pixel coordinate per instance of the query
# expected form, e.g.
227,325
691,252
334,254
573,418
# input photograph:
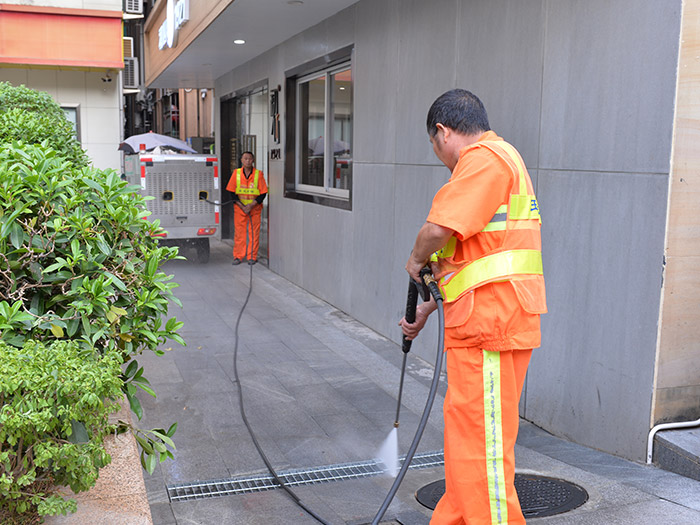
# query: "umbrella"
151,140
316,146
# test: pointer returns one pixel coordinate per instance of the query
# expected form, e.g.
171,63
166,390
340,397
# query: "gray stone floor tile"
320,399
195,463
297,376
319,388
656,512
162,513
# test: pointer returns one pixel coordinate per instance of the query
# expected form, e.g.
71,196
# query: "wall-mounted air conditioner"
131,73
133,6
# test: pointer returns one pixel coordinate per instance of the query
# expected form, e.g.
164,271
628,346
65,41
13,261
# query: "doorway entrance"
245,127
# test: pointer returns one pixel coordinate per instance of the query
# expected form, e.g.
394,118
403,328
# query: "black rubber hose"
297,500
435,292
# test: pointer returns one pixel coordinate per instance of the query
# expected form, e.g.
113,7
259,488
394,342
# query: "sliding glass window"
324,132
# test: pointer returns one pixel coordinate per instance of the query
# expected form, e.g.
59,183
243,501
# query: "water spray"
428,287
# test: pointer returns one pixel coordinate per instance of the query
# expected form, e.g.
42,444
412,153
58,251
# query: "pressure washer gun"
428,287
426,277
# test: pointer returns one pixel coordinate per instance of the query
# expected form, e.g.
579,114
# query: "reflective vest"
518,258
247,193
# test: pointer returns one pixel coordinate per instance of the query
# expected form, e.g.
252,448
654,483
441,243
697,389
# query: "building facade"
598,98
74,51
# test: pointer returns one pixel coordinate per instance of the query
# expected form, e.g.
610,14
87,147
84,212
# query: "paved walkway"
320,389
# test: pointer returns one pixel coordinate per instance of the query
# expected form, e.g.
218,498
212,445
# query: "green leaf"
145,444
171,431
79,432
93,184
165,438
116,280
131,369
135,405
17,235
56,330
151,462
146,388
152,266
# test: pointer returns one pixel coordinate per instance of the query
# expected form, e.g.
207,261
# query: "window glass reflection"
341,111
313,123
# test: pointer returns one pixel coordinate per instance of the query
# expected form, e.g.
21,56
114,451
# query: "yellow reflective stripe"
524,207
497,226
498,221
449,249
247,191
493,424
492,267
510,150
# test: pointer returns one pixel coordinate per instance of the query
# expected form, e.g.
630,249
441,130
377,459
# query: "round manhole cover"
539,496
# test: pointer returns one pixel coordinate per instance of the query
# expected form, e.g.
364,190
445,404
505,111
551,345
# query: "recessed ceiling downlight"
239,41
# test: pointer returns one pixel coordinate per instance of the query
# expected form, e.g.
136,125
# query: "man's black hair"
249,153
459,110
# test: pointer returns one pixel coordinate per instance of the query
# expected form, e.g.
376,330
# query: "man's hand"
423,311
414,266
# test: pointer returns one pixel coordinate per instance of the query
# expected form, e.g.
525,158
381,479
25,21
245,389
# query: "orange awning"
51,36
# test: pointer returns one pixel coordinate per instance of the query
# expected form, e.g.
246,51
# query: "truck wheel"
202,246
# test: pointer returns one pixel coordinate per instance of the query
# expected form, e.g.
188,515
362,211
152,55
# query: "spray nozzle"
429,285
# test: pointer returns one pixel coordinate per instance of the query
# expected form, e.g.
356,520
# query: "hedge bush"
54,403
34,117
79,263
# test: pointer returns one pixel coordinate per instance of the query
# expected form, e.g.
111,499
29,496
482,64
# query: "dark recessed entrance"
539,496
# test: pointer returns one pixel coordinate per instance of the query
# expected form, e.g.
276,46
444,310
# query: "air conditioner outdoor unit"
128,44
131,73
133,6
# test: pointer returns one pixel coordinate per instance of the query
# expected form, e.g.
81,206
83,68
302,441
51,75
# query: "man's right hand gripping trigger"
423,310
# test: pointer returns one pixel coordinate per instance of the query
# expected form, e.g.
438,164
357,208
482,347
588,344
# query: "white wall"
100,121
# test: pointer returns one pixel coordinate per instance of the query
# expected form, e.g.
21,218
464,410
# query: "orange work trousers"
244,235
481,425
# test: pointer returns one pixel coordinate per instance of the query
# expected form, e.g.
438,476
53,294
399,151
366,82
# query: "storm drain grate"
539,496
291,478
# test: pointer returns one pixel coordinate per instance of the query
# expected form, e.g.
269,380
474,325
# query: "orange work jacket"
247,188
491,269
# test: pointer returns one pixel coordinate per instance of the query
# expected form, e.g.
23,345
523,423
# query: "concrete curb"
119,496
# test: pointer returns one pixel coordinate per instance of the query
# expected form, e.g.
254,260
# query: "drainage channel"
309,476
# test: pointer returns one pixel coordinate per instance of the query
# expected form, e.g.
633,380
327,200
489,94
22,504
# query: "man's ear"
445,131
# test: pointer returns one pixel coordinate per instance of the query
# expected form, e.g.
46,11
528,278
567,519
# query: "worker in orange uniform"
249,190
482,240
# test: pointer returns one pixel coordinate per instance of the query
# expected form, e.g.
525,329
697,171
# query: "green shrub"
78,261
54,403
34,117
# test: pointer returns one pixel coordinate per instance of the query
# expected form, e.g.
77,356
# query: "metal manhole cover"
539,496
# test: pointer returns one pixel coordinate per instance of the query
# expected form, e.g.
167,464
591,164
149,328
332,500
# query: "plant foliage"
54,403
79,262
34,117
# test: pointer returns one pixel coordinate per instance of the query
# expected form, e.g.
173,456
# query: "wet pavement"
319,390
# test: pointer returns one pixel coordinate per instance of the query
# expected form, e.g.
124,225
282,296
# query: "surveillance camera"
107,78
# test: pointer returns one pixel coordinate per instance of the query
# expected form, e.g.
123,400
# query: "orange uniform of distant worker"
249,190
484,229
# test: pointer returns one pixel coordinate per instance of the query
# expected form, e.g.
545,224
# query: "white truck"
184,188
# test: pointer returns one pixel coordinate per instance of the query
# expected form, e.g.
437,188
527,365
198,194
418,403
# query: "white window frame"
75,109
327,189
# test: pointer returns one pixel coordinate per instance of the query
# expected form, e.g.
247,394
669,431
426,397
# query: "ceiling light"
341,88
295,2
239,41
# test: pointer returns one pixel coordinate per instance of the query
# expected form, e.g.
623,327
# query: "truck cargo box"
183,188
